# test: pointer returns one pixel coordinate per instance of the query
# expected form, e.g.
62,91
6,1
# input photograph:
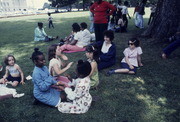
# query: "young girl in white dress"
79,99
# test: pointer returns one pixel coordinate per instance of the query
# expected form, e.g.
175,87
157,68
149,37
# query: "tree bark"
166,20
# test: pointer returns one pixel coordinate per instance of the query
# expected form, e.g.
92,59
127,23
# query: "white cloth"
39,34
132,55
50,18
105,48
124,10
120,22
5,91
86,37
52,62
79,37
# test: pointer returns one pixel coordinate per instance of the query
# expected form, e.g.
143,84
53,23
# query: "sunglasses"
130,43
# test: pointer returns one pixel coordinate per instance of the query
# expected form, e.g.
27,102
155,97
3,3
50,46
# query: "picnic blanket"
73,51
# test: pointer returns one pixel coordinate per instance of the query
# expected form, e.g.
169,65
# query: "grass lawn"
152,95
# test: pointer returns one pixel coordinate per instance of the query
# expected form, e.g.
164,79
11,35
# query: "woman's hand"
131,67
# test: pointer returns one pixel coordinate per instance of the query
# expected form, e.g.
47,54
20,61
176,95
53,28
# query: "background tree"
62,3
166,19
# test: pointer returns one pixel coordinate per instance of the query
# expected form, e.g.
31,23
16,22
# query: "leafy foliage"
61,3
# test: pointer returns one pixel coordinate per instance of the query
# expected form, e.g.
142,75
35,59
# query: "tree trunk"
166,20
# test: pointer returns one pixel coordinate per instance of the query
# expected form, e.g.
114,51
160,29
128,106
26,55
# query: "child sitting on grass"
131,60
13,75
56,64
92,55
80,98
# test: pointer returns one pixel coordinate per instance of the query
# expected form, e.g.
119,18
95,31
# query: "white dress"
80,97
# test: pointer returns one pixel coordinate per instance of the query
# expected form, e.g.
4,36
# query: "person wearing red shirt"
99,9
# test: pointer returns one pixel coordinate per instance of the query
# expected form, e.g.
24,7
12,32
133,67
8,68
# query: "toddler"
13,75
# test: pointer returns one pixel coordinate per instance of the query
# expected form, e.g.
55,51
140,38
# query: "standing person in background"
125,13
50,20
118,13
136,14
153,9
91,18
141,12
99,9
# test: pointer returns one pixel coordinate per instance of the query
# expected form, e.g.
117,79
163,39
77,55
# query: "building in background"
21,5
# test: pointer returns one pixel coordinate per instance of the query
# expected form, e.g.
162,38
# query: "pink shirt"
132,55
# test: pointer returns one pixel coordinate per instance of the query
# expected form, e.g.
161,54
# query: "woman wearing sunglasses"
131,60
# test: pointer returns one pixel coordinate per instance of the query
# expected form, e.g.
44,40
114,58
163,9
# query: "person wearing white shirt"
77,44
85,33
131,60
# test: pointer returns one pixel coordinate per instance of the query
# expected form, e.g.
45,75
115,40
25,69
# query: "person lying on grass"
40,34
13,75
43,81
79,100
131,60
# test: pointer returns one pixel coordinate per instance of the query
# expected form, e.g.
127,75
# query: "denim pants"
171,47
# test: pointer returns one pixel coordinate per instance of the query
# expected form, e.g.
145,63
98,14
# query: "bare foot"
164,56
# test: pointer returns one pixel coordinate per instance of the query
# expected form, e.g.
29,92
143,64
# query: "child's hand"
69,65
131,67
22,82
64,57
4,80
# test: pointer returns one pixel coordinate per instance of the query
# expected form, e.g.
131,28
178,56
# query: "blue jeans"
171,47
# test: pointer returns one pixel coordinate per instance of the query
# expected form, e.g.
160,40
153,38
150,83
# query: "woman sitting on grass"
55,63
107,49
14,75
79,99
77,44
43,81
131,60
40,34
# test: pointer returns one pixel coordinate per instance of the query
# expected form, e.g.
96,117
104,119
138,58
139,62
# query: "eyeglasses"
130,43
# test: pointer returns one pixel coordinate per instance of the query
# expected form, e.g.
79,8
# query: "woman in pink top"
131,60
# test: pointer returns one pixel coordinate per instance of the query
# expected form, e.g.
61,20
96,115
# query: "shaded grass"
151,95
